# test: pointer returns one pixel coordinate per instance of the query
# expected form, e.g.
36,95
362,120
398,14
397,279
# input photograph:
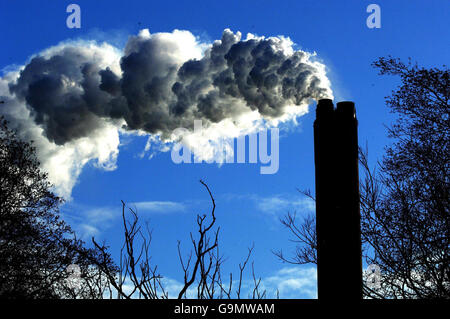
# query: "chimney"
339,267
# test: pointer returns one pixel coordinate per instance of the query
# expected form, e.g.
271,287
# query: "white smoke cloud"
64,163
75,98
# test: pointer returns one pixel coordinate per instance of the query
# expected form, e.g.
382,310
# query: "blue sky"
249,204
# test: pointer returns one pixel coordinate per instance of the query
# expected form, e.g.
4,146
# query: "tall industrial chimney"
339,264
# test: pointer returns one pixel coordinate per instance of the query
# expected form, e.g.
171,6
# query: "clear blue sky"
248,203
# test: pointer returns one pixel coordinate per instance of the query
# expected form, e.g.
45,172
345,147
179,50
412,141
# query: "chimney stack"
339,264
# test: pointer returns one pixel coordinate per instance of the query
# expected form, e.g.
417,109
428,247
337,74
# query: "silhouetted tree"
36,246
40,256
405,200
137,277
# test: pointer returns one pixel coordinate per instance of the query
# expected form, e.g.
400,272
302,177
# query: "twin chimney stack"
339,267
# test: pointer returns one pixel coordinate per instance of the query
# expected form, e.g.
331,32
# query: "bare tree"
203,248
136,277
202,275
305,239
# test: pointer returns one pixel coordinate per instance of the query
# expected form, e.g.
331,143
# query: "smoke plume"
73,99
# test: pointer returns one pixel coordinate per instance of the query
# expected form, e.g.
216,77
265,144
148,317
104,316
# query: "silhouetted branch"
134,263
202,247
305,238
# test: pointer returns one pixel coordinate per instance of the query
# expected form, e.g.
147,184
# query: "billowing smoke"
63,162
74,98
